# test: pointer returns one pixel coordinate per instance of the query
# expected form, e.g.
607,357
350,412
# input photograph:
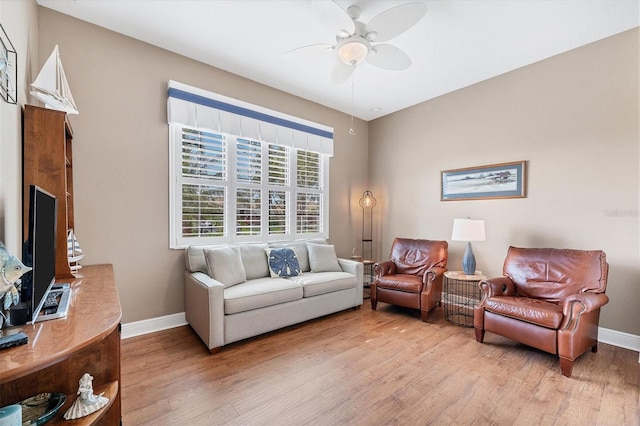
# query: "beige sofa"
231,293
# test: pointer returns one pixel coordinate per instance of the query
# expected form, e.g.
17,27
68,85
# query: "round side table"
460,294
368,275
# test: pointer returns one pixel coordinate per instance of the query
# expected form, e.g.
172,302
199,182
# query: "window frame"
176,181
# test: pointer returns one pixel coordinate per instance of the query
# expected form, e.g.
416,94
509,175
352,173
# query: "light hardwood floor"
364,367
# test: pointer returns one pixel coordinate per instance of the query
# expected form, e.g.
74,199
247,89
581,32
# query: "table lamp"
468,230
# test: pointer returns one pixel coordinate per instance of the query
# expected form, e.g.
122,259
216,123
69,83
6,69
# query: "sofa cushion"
415,256
259,293
254,260
401,282
555,274
535,311
225,265
300,247
316,283
322,258
194,258
282,262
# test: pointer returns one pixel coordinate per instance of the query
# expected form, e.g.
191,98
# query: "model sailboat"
51,87
74,252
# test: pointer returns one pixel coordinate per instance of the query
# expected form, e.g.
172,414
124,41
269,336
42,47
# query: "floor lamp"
367,202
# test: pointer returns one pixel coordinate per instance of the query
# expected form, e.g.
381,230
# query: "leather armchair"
547,298
412,277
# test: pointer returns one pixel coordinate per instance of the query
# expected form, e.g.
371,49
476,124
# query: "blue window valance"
190,106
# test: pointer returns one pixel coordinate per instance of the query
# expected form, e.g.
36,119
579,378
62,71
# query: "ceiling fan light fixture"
353,51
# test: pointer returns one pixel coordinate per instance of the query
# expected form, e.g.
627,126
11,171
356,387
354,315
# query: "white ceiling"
457,43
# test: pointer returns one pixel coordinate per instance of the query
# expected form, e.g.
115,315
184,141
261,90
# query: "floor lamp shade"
367,200
468,230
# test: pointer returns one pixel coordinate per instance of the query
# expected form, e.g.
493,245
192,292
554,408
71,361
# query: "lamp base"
469,261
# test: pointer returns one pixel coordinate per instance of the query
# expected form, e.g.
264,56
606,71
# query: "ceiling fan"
357,41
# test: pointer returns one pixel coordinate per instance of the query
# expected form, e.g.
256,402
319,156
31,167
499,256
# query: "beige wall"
121,155
20,21
574,118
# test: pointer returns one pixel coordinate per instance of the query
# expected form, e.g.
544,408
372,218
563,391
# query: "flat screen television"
40,254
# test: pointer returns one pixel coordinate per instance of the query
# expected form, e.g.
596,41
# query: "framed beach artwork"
504,180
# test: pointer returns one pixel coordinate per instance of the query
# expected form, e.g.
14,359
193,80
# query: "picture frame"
8,69
493,181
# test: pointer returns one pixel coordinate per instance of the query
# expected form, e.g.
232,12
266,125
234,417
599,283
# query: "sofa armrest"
433,274
384,268
353,267
589,301
356,268
204,307
580,304
432,287
500,286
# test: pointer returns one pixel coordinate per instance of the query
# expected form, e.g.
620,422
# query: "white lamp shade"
468,230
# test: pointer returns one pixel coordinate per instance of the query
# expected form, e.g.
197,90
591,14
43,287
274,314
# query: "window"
227,189
203,167
259,175
279,191
309,195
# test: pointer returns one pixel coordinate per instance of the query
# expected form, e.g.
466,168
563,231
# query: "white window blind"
308,170
204,155
279,212
202,211
278,165
309,213
248,211
279,170
248,161
309,198
203,165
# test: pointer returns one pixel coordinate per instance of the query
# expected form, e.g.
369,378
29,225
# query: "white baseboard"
137,328
620,339
151,325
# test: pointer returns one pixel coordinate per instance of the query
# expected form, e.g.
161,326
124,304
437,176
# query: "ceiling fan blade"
311,51
389,57
395,21
341,72
333,17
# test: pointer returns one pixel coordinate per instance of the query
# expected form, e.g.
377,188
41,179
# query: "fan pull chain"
351,131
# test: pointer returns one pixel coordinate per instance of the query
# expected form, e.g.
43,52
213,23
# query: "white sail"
74,252
51,86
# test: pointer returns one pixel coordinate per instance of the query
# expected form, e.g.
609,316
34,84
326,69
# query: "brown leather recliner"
412,277
549,299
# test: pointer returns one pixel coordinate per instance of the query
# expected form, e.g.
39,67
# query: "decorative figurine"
11,269
87,402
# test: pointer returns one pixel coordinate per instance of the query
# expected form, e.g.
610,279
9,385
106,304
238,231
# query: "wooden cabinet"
48,163
59,351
